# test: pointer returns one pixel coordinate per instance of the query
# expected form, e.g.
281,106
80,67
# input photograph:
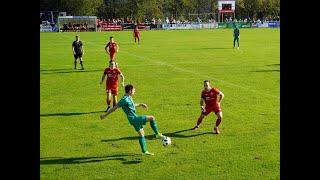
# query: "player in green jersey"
236,34
129,108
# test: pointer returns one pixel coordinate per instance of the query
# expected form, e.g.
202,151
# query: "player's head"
77,37
112,64
129,89
111,38
206,84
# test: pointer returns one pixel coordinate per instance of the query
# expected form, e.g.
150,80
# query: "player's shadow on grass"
81,160
68,71
215,48
273,65
52,70
150,137
71,113
267,70
177,134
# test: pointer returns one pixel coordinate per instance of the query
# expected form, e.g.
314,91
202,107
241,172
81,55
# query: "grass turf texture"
167,69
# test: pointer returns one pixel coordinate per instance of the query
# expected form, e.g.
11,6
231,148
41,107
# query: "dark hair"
128,88
206,81
111,37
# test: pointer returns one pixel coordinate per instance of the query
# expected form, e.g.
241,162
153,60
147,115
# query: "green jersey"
127,105
236,32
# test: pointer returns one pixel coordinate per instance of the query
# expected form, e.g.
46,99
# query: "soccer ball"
166,141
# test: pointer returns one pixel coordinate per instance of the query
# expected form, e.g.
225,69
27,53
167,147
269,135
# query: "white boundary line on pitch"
191,72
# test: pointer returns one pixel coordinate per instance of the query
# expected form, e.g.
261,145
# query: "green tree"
251,7
275,7
240,9
49,5
141,9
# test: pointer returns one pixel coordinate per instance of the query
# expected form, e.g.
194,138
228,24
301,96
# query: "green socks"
154,126
142,140
143,144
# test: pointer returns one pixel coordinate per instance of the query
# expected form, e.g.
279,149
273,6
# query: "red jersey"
210,97
112,46
136,31
112,76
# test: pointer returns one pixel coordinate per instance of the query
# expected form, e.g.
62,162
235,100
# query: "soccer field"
167,69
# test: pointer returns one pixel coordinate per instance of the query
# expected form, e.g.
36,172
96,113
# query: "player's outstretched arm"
102,78
109,112
141,105
122,78
106,49
201,103
221,96
82,49
73,50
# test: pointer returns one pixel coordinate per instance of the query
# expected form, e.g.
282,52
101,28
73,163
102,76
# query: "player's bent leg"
108,100
202,116
75,63
150,118
219,119
154,126
81,63
115,99
108,97
141,132
112,56
142,142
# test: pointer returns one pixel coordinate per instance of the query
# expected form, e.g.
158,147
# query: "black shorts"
77,55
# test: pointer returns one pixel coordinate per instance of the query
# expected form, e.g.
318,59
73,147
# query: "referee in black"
78,51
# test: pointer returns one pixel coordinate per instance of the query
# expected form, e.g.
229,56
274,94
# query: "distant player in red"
112,48
112,74
136,34
210,102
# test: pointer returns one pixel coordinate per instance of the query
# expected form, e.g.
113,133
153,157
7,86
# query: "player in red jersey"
112,73
136,34
210,101
112,48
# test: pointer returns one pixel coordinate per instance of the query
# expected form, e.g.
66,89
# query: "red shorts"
112,54
112,89
208,109
137,35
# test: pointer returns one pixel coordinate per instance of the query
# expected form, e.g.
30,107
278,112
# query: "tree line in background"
148,9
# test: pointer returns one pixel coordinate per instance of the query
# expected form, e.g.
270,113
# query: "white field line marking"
191,72
179,69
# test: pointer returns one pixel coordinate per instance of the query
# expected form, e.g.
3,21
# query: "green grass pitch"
167,70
